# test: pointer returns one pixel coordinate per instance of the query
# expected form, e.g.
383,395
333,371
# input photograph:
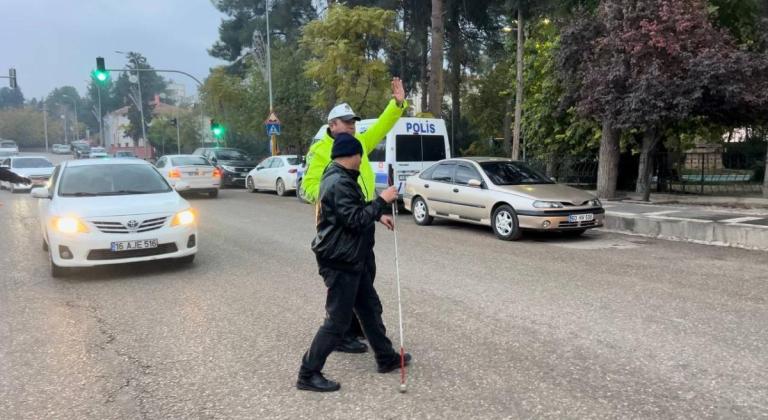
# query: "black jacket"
6,175
345,220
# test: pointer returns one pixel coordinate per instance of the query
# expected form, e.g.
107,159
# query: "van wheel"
505,224
280,187
249,185
420,212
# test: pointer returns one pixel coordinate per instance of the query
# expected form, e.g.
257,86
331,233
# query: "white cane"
403,387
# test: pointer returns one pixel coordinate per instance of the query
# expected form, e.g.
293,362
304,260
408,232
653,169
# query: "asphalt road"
604,326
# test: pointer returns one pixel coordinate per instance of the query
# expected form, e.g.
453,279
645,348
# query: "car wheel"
186,260
298,192
420,212
45,245
505,224
57,272
280,187
249,185
213,193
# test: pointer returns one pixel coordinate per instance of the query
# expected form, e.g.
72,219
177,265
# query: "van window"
433,148
379,153
408,148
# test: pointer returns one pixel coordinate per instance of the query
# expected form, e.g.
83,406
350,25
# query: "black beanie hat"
346,145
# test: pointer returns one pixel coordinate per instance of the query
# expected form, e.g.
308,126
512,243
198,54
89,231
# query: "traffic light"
12,78
217,129
100,73
174,122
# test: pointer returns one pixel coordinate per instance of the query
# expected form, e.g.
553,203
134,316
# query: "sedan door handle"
455,190
426,185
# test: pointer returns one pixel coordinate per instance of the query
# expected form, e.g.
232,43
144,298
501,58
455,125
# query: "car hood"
33,171
121,205
549,192
238,163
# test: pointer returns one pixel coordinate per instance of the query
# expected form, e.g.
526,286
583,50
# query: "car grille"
108,254
145,226
39,177
577,224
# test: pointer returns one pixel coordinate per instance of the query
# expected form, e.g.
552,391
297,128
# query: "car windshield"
32,163
189,161
513,173
293,161
119,179
231,154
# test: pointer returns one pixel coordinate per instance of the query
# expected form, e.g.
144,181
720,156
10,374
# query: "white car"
60,149
8,148
277,173
192,169
97,153
37,168
113,211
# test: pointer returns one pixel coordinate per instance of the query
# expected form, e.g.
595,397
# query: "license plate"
132,245
581,217
39,181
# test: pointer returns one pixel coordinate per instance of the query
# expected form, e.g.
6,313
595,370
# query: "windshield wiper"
80,194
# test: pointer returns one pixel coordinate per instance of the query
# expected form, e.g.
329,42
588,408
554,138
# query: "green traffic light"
218,131
101,77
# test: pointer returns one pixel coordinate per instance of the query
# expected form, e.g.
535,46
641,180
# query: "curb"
737,235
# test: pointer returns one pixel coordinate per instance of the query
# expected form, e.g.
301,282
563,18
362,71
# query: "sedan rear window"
102,180
189,161
32,163
513,173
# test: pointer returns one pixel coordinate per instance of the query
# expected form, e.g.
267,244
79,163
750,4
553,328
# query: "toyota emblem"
132,225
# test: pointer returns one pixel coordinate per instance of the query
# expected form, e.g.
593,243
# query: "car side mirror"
41,192
181,186
476,183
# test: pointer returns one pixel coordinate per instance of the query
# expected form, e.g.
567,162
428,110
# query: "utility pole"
518,87
273,136
66,138
101,119
45,124
178,133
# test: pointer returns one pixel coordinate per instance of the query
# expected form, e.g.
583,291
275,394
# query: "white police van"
412,145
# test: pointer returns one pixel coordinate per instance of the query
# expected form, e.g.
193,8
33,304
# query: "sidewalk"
707,224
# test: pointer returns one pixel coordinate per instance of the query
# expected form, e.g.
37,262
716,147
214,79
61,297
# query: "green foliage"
11,97
151,84
347,61
25,126
162,133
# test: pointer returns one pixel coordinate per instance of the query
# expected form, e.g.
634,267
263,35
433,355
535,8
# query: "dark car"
234,164
81,150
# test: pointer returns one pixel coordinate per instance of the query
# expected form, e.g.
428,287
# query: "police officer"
342,249
342,119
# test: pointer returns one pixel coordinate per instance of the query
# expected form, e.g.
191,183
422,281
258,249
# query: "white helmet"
344,112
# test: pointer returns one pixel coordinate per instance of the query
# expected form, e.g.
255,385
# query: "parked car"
194,170
124,154
60,149
37,168
97,153
113,211
277,173
234,164
8,148
81,149
507,195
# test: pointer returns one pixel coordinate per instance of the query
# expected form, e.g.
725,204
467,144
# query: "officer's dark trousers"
348,291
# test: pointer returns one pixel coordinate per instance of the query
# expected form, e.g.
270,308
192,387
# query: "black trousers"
355,329
348,292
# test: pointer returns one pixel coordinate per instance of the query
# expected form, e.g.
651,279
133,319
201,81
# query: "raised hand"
397,90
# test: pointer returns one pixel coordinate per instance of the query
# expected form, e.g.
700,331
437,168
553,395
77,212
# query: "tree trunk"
423,67
644,172
608,165
765,177
507,127
436,64
518,87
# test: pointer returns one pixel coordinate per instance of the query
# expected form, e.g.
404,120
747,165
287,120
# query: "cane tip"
403,388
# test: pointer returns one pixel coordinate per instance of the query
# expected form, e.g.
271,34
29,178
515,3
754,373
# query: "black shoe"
317,383
351,345
394,364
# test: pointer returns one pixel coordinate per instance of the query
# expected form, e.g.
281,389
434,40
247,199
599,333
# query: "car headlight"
228,168
595,203
547,205
184,218
69,224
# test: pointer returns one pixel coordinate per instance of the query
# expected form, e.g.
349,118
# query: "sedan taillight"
292,171
174,173
216,173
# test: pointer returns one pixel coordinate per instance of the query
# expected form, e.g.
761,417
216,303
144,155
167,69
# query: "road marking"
659,213
618,213
742,219
682,219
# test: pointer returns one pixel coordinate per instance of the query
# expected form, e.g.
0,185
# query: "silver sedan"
506,195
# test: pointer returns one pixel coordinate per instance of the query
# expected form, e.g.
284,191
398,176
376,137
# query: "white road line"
682,219
618,213
659,213
742,219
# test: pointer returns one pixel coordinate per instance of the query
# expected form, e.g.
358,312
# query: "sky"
54,43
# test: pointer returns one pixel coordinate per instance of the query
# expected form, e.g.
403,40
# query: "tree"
25,126
436,61
151,84
346,51
11,97
164,134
